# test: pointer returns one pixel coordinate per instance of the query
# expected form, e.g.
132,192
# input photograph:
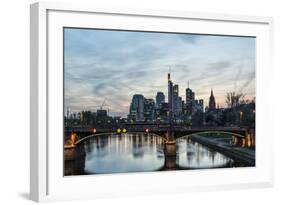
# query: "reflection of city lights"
249,144
243,142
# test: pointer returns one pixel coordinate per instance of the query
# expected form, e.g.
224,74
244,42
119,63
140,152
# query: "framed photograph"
127,102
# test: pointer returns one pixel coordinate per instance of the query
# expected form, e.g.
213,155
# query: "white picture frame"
46,147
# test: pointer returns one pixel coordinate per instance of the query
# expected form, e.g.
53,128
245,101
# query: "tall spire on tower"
169,74
212,101
170,92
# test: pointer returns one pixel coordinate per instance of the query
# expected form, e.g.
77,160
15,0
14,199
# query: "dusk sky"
115,65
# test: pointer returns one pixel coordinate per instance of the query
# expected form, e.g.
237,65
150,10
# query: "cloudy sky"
115,65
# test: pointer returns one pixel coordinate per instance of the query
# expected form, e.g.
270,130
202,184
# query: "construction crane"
103,105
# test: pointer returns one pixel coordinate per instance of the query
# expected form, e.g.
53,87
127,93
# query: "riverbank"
243,155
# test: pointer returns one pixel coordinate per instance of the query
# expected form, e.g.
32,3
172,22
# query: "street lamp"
241,115
94,130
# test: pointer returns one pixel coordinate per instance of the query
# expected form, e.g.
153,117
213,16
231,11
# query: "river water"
142,152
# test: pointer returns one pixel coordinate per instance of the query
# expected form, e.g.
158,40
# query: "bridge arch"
215,132
111,133
162,133
179,134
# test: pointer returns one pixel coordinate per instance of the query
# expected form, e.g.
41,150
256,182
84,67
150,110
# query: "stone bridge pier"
170,147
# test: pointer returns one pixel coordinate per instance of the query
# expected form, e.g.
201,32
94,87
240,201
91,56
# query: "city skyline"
115,65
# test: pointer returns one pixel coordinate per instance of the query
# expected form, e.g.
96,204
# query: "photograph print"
141,101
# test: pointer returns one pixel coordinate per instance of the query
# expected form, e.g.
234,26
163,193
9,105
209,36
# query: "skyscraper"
177,101
201,105
179,110
190,97
176,90
164,112
160,98
149,110
175,98
170,95
137,108
212,102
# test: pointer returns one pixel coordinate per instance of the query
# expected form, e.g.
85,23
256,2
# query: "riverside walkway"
222,144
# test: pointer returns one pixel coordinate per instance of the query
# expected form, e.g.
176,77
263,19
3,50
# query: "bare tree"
234,99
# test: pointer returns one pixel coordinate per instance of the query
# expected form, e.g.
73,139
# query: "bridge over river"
162,130
216,138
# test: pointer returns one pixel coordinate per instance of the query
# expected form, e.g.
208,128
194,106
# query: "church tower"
212,102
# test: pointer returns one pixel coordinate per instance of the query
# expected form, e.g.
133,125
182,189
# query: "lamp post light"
94,130
241,115
253,120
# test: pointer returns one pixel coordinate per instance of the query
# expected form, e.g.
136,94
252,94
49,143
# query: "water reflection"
124,153
142,152
192,155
